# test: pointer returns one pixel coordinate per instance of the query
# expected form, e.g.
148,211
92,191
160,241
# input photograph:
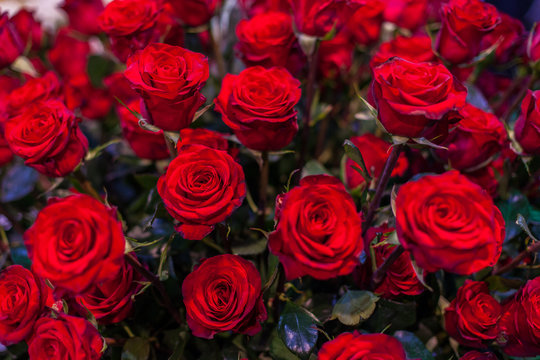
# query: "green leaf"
424,141
523,224
279,351
354,307
95,152
180,346
253,247
391,314
136,348
516,204
313,167
98,68
297,328
414,347
355,155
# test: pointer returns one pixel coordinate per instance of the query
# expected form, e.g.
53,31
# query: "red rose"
464,24
47,136
487,176
82,15
202,187
408,14
12,45
365,24
210,138
336,55
362,346
255,7
111,301
169,28
415,48
94,103
23,297
318,229
42,88
510,36
374,151
223,293
169,79
527,126
118,86
76,243
471,318
130,25
533,44
474,140
65,338
477,355
146,144
28,27
447,222
258,105
413,99
69,55
195,12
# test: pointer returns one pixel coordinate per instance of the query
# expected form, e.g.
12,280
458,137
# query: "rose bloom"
202,187
69,55
415,99
362,346
118,86
415,48
223,293
28,27
477,355
365,24
510,33
41,88
258,105
206,137
12,44
448,222
336,56
471,318
47,136
169,79
254,7
519,327
408,14
487,176
94,103
464,24
527,126
23,297
64,338
76,242
318,230
474,140
533,44
374,151
82,15
146,144
195,12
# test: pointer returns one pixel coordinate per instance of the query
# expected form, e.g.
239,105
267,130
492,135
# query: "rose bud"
408,14
414,48
471,318
210,138
223,293
65,337
82,15
336,56
34,90
12,44
146,144
318,229
416,99
195,13
509,34
527,126
365,24
258,105
362,346
130,25
448,222
69,55
533,44
23,297
477,355
374,151
47,136
111,301
169,79
464,24
28,27
474,140
201,188
76,242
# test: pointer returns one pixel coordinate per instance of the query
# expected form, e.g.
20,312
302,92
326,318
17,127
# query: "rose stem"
381,185
159,286
531,249
310,93
507,95
87,185
263,189
380,273
218,56
279,290
506,117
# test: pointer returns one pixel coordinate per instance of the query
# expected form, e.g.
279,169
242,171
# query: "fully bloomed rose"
474,140
448,222
69,54
477,355
82,15
65,338
47,136
258,105
415,48
408,14
41,88
223,293
365,24
527,126
169,79
76,242
472,317
374,151
464,24
202,187
12,45
509,35
195,12
23,297
318,229
318,17
416,99
362,346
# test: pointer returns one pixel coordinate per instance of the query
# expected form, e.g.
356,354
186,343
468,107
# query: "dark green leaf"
414,347
297,328
279,351
313,167
98,68
355,155
354,307
136,349
392,314
516,204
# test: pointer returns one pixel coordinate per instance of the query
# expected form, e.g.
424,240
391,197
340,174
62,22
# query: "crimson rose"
82,15
365,24
206,137
28,27
12,45
509,35
69,55
527,126
409,14
318,17
362,346
42,88
477,355
195,12
414,48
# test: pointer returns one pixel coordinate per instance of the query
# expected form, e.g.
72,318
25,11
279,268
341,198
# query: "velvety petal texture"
357,346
